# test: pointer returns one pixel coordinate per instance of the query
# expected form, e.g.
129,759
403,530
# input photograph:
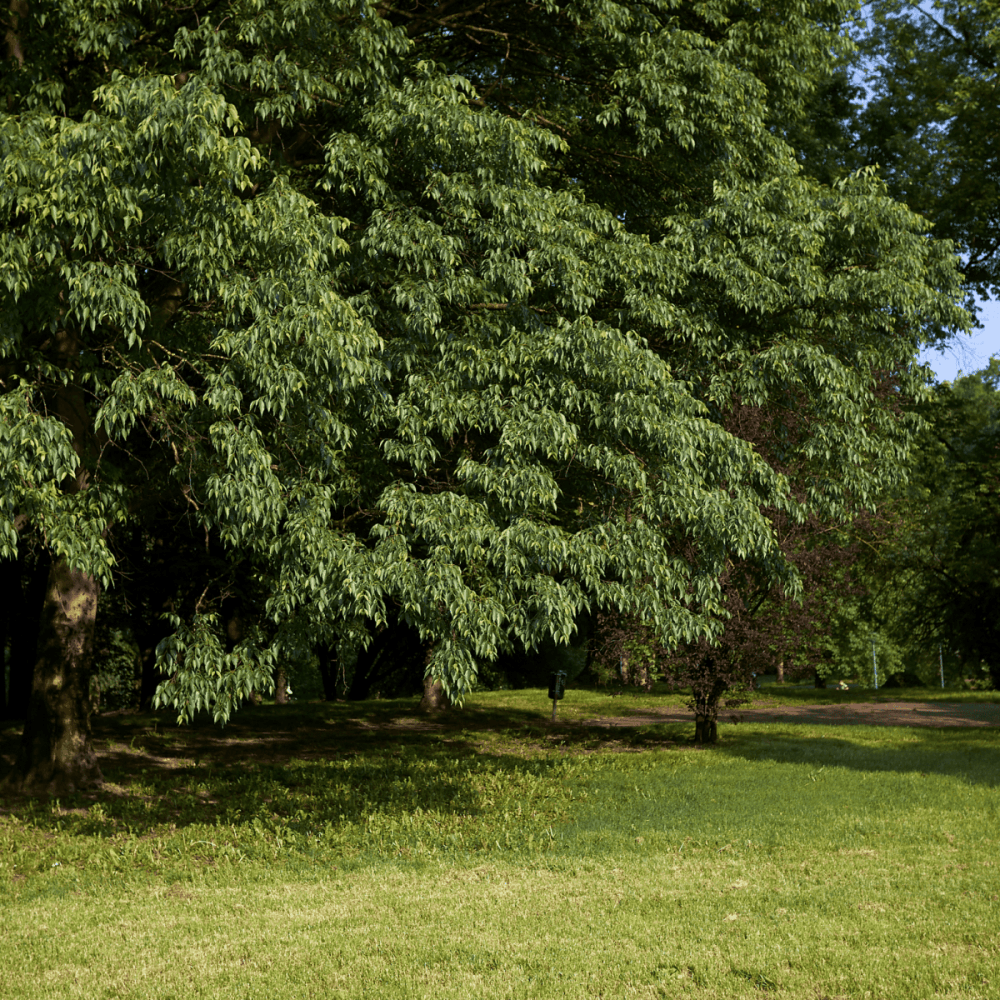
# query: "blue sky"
971,353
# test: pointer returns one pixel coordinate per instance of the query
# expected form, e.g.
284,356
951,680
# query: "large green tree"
433,314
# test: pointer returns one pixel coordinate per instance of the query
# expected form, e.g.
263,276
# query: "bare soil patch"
126,745
884,713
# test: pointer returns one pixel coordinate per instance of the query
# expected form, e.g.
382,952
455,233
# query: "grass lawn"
359,850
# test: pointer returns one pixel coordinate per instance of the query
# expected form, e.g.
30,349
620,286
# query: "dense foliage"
947,560
432,318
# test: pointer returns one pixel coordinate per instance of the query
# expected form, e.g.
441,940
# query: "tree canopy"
946,561
437,312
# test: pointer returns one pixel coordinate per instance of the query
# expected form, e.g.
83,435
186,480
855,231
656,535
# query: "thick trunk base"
56,756
434,699
705,729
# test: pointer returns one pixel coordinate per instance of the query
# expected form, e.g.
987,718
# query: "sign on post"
557,689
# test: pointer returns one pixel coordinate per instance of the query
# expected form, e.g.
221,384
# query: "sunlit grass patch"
514,860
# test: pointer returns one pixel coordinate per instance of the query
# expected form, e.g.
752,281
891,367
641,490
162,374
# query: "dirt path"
886,713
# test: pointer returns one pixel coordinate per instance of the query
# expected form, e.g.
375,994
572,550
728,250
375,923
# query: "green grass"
338,851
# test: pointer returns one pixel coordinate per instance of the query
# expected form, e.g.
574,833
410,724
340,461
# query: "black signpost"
557,688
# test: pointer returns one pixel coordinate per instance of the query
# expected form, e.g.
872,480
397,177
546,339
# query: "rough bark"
434,699
17,10
56,756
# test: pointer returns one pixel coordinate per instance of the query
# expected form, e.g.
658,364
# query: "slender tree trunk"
56,756
781,670
281,687
364,667
706,709
643,677
327,654
10,579
149,632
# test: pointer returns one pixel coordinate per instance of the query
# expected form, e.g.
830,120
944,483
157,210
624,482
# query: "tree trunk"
818,681
10,578
781,670
281,687
27,598
364,667
148,634
434,699
705,728
643,679
56,756
327,654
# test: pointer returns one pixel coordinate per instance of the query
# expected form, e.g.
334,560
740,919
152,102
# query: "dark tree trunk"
327,654
28,596
706,704
818,681
10,581
705,728
364,668
56,756
148,634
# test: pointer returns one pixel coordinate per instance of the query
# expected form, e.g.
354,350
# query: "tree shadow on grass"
310,764
971,754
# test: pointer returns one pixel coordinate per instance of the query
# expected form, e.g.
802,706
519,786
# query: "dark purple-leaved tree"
761,623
